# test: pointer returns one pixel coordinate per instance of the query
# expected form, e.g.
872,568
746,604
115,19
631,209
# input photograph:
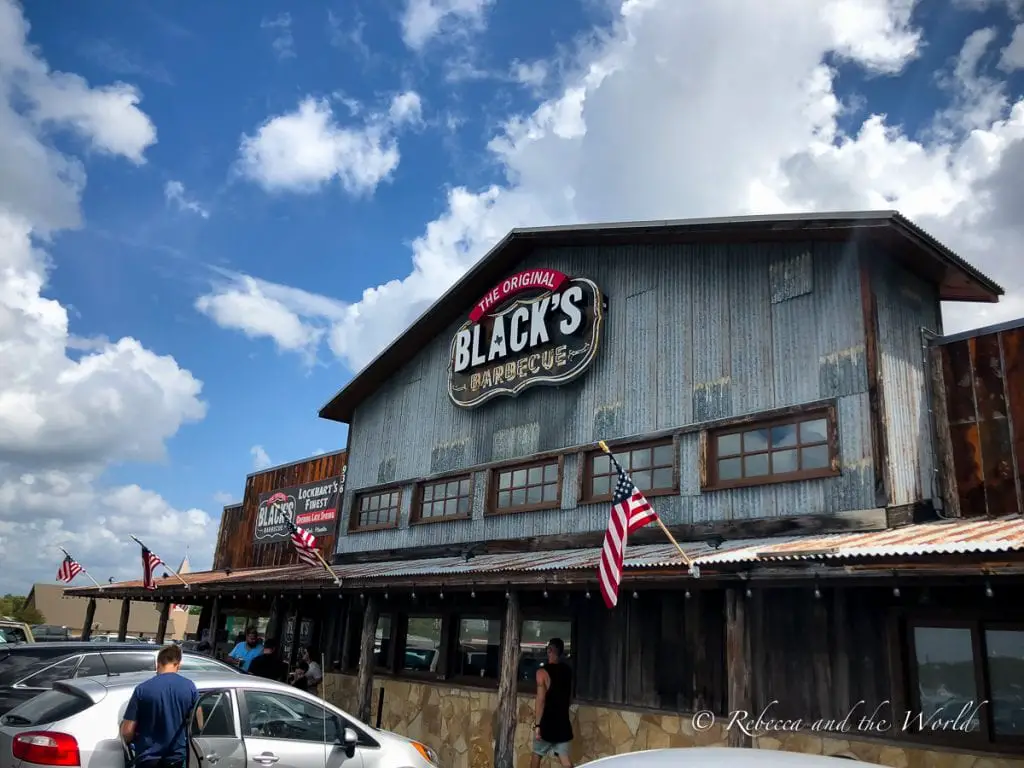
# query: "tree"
15,607
195,610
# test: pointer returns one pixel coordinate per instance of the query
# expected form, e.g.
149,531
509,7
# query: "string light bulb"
587,595
988,589
687,594
635,595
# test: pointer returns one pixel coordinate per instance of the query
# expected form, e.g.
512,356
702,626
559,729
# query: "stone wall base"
459,723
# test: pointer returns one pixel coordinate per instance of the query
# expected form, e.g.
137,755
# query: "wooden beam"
876,400
737,662
161,625
214,625
122,626
90,617
366,659
508,689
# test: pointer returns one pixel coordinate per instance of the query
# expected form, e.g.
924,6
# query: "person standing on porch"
552,732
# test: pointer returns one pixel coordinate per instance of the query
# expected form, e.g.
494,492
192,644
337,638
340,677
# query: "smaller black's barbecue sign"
314,506
537,327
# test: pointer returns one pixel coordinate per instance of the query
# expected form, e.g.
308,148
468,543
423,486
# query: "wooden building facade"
770,384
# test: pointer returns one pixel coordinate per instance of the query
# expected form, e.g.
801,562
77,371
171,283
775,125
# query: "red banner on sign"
531,279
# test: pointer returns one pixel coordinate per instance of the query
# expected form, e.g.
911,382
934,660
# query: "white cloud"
532,74
283,43
260,459
174,194
1013,54
70,406
424,20
684,110
224,498
303,150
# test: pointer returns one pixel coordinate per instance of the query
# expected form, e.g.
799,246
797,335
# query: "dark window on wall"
527,487
382,643
376,510
422,647
957,666
479,650
651,466
533,645
775,451
444,500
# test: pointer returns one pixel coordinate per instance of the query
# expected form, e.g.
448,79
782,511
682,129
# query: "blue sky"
240,242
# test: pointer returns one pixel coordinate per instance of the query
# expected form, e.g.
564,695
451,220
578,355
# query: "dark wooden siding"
983,386
235,545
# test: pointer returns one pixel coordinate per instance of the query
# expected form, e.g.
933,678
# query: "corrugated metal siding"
984,388
906,305
692,333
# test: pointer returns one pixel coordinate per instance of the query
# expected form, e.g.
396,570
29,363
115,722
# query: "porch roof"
910,543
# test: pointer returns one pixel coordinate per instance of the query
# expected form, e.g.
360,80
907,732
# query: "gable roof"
913,247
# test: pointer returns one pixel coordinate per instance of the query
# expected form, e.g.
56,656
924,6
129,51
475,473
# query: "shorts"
542,748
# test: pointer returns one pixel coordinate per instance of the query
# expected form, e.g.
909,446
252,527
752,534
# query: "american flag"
149,564
630,511
304,543
68,569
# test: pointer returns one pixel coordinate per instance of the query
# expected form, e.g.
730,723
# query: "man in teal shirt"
247,650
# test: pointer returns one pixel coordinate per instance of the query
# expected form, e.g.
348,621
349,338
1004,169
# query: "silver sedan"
706,757
247,722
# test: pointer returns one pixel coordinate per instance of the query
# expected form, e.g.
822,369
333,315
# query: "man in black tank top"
552,728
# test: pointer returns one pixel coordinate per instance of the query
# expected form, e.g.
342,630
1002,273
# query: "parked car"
26,670
44,633
13,631
247,721
708,757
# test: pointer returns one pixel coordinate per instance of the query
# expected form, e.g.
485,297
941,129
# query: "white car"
706,757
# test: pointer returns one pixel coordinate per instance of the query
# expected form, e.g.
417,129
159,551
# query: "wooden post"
214,626
737,661
161,625
90,617
508,688
366,659
347,649
945,465
122,627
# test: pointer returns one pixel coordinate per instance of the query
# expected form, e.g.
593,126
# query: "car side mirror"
349,741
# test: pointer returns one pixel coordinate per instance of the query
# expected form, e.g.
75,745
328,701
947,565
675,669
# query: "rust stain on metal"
1012,347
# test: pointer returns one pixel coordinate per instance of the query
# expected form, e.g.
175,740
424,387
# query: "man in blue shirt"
247,650
156,720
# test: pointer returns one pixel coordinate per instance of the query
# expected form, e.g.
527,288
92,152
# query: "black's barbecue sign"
314,506
537,327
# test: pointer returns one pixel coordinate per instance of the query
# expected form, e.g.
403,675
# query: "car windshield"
48,707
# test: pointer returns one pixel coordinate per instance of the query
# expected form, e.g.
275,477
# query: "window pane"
550,473
533,494
815,457
663,455
463,505
813,431
1004,650
756,465
784,436
784,461
382,641
535,475
504,500
551,492
519,478
755,440
728,445
534,642
218,716
92,665
479,648
422,644
464,487
280,716
662,478
59,671
641,458
945,672
642,480
602,466
518,497
504,479
600,486
126,663
729,469
450,507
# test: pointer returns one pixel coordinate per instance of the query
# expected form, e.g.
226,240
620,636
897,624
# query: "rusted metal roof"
911,541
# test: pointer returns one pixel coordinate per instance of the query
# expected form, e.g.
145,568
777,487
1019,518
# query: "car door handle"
212,758
266,758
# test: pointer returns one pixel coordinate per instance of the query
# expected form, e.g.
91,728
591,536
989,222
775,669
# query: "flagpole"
657,519
337,581
173,572
89,575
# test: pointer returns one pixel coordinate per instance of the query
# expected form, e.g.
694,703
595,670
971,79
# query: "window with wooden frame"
447,499
535,635
795,447
651,465
375,510
422,646
478,654
526,487
956,666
